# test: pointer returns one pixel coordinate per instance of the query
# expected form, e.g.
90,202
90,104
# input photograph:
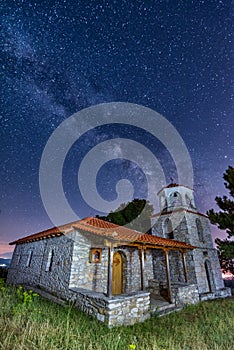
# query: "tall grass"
43,325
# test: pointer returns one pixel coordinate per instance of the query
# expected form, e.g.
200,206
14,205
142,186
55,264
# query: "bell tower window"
168,229
199,230
175,199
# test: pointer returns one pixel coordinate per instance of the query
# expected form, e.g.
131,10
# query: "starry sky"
59,57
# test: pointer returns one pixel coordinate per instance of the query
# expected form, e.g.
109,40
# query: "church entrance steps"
162,307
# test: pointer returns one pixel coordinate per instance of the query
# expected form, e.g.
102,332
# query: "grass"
31,322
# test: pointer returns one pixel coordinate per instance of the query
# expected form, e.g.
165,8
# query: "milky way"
59,57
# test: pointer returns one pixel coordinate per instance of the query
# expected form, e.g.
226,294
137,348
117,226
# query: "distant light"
227,275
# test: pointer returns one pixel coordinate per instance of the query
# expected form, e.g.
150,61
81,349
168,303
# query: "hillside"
5,262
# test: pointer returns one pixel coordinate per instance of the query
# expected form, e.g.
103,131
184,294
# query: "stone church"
119,275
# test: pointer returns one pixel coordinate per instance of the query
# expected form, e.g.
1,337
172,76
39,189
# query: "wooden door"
117,274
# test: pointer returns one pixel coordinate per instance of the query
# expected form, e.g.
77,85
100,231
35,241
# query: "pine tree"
132,215
224,219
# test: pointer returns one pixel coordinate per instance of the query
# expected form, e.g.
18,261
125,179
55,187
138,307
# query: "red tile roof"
108,230
126,235
90,220
54,231
173,184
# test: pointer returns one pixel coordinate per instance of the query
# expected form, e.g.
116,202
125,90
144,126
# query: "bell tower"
180,220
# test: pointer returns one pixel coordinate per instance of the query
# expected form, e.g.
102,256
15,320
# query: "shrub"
3,272
25,301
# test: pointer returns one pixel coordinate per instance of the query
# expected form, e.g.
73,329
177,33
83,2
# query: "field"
29,322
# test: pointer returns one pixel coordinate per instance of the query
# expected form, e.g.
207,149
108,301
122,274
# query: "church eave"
178,210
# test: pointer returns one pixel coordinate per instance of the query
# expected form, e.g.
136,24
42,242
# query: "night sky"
59,57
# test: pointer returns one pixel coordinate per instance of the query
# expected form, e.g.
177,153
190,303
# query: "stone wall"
176,266
193,232
57,279
148,270
131,269
221,293
93,276
184,227
159,265
201,256
84,273
183,294
119,310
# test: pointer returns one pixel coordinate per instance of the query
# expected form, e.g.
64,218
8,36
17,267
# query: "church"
119,275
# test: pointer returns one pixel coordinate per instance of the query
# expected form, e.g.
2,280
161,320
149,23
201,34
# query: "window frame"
50,261
93,252
29,260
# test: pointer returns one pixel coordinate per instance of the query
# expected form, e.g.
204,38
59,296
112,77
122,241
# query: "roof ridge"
106,229
87,218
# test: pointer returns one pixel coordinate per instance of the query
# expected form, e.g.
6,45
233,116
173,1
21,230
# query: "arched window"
199,230
175,199
168,229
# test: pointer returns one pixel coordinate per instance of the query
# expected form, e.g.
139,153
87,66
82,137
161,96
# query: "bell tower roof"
173,184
